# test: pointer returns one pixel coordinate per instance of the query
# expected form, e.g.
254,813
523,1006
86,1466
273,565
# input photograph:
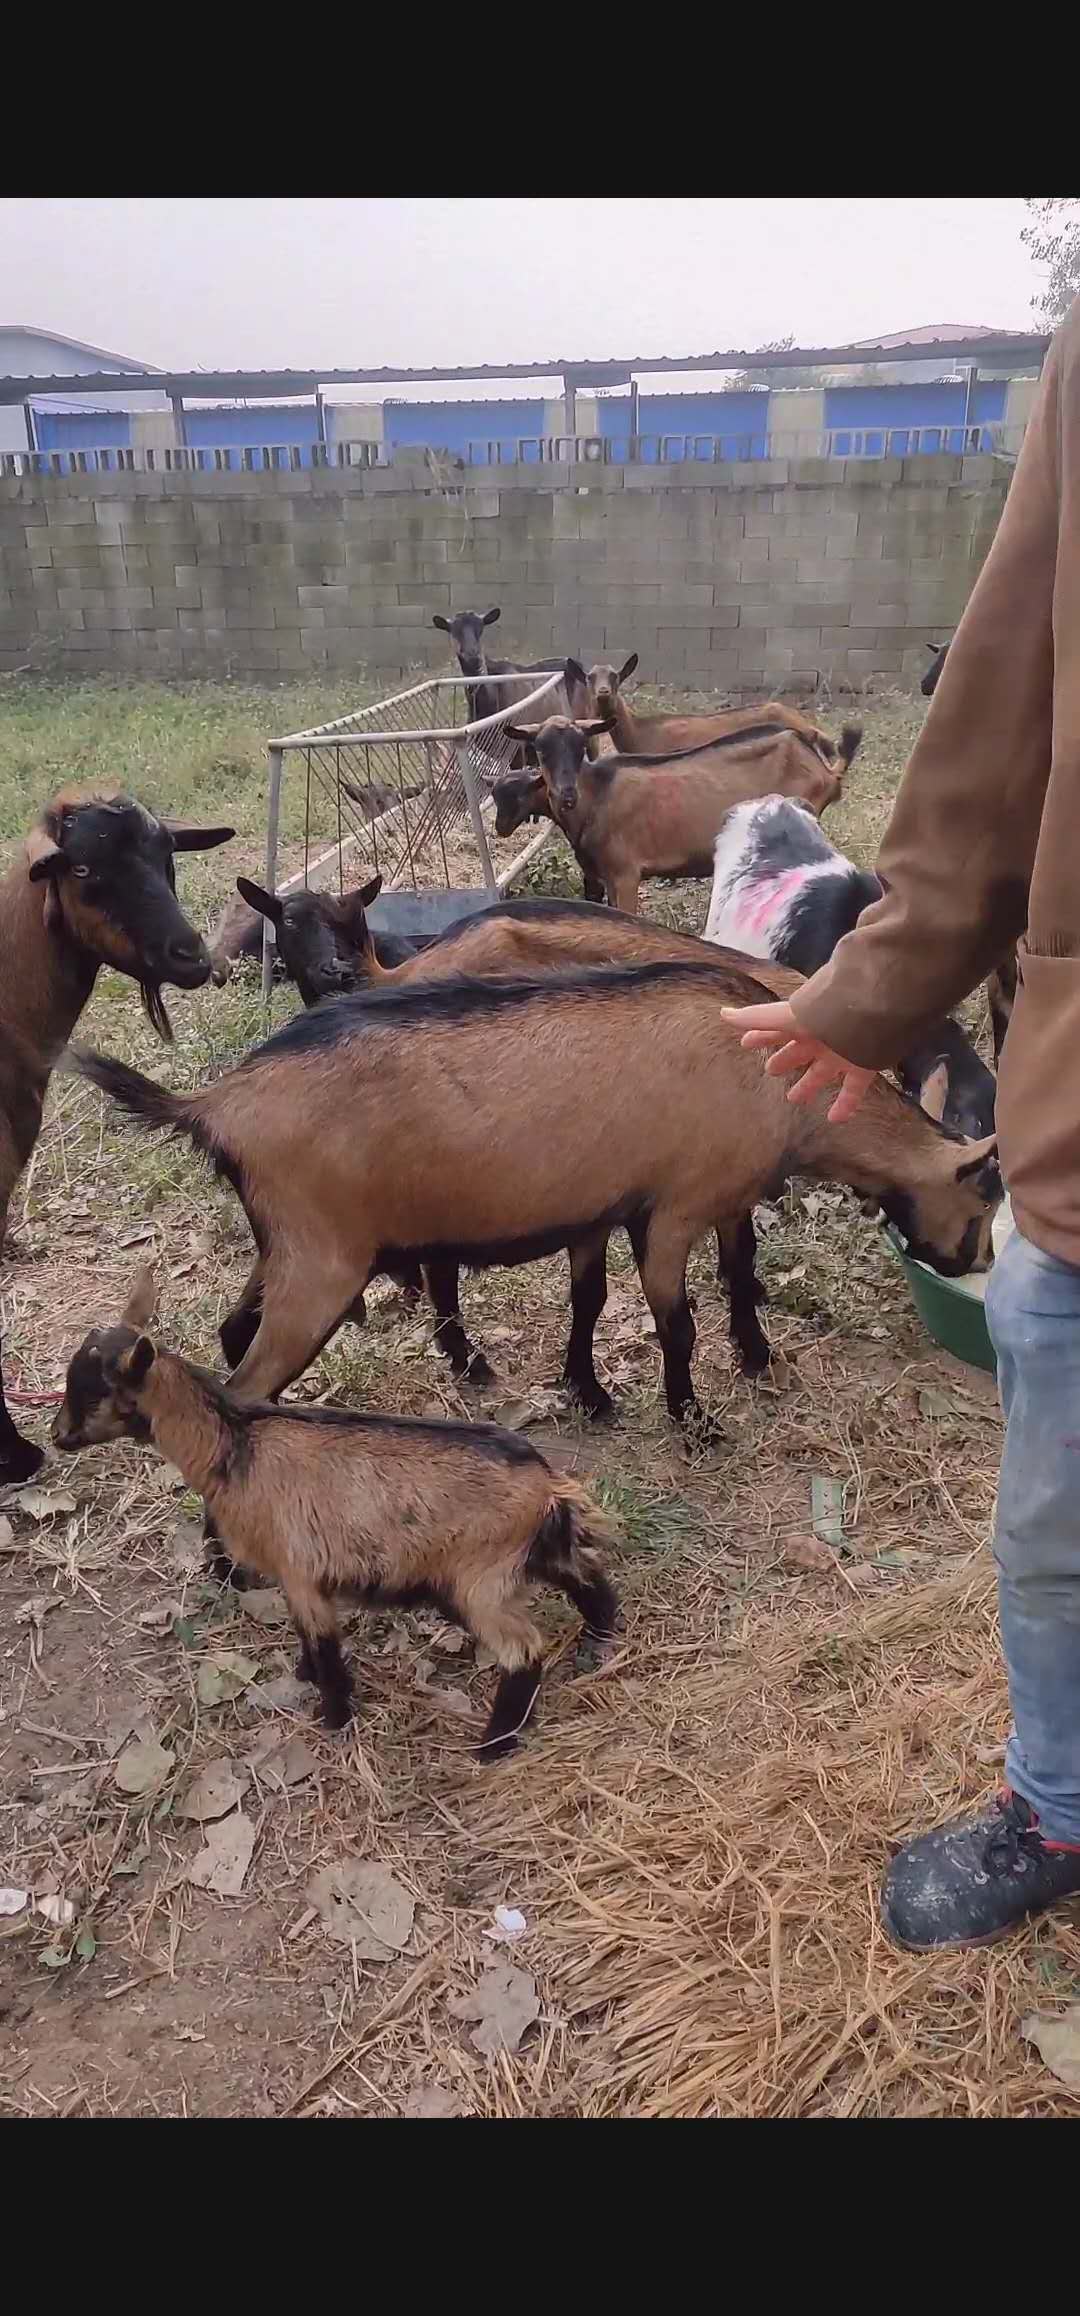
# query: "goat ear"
628,667
139,1308
490,617
133,1367
574,673
933,1093
526,732
437,620
44,856
188,839
599,724
369,892
267,904
983,1154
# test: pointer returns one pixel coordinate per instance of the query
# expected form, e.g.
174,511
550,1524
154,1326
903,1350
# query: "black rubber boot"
975,1879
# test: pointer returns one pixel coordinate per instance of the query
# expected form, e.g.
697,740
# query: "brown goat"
492,1122
325,1502
92,885
599,693
631,817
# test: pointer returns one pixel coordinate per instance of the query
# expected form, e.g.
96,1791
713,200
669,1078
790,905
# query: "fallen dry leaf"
284,1692
143,1765
269,1607
282,1763
7,1533
504,2003
13,1901
225,1857
364,1906
223,1676
429,2099
45,1503
215,1791
59,1911
159,1620
1057,2040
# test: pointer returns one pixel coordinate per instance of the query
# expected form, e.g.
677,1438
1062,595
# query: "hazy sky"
235,283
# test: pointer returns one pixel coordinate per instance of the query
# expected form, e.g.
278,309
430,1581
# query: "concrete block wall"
728,578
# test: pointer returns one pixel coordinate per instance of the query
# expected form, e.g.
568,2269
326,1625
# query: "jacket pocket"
1038,1102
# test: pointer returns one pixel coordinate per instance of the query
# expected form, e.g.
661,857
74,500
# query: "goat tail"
850,743
154,1106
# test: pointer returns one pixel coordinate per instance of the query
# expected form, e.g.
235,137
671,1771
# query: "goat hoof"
702,1431
21,1460
478,1370
590,1398
225,1571
497,1750
337,1715
593,1650
753,1363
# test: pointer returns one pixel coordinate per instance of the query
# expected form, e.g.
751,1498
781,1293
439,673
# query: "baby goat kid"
382,1509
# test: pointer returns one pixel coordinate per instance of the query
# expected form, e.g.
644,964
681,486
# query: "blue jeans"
1033,1313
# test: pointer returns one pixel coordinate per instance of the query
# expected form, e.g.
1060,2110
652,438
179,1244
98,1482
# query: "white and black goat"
782,891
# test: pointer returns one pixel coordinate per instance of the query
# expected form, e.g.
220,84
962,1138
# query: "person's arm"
959,850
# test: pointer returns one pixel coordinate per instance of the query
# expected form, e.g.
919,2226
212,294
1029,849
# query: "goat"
326,1502
629,817
93,885
781,890
932,677
599,693
520,797
313,935
466,633
448,1119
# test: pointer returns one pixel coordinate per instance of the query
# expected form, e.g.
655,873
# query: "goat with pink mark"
782,891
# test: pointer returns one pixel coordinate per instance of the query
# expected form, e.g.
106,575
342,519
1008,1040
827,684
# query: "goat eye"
80,869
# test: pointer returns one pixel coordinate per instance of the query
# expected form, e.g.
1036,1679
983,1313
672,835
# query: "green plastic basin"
955,1320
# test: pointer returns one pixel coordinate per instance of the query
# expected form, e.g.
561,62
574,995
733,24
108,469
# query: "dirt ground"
693,1836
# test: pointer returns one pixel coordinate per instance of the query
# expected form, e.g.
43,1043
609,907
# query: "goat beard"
154,1008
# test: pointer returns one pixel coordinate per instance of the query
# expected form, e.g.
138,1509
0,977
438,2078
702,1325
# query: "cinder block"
318,598
876,662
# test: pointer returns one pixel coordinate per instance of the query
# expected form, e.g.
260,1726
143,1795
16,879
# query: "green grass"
198,749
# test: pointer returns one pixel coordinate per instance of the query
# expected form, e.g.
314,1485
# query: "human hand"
775,1027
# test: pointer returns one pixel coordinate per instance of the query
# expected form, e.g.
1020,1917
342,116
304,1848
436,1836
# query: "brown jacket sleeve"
958,853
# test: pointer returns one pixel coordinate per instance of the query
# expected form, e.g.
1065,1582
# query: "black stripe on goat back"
482,1439
679,755
422,1004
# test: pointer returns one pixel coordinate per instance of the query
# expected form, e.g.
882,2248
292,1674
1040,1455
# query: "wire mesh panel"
403,787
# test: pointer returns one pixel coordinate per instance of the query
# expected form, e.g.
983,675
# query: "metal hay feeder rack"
406,786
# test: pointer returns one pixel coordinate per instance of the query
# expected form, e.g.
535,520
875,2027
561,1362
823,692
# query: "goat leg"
738,1249
588,1295
442,1277
320,1660
19,1457
661,1247
216,1560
